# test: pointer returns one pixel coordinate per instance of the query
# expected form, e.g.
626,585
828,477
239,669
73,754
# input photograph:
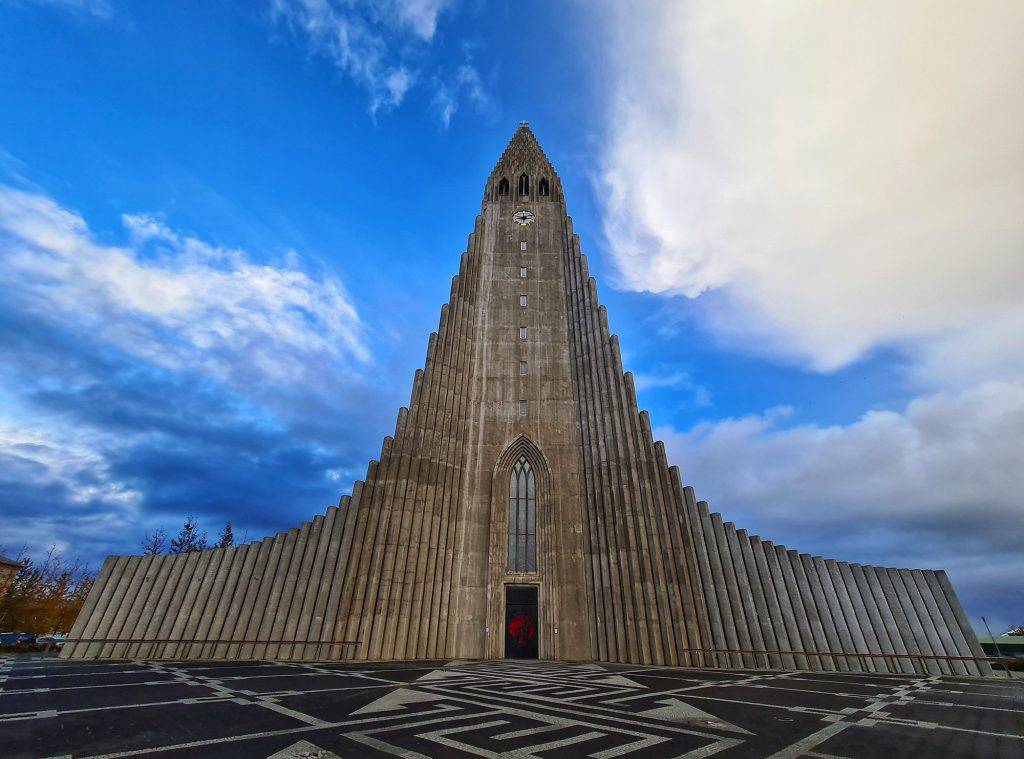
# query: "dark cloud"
168,378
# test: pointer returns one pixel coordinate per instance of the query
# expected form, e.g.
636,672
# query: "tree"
1016,630
189,539
227,537
45,596
155,542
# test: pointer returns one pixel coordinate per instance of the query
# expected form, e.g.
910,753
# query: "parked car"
51,642
25,641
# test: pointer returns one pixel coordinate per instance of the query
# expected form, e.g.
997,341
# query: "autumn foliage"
45,596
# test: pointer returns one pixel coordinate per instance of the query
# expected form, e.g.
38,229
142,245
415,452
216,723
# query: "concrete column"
765,628
779,631
822,612
964,625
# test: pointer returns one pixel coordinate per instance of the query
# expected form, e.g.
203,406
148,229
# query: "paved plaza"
52,708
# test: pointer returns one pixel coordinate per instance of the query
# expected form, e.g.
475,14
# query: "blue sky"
227,229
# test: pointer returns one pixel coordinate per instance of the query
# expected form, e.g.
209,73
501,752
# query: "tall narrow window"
522,301
522,333
522,245
522,367
522,272
522,408
522,518
542,188
503,186
524,184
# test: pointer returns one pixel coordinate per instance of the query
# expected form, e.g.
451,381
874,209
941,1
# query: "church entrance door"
521,622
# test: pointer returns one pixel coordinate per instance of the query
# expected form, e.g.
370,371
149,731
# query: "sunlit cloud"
841,176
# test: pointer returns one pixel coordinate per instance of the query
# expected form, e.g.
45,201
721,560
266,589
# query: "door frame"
504,614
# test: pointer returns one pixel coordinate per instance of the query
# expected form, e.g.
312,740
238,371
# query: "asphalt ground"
51,708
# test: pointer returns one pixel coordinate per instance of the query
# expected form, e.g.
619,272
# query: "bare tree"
155,542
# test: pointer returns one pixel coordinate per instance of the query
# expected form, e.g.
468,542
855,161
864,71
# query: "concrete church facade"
523,508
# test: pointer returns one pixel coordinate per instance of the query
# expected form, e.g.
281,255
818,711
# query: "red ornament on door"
521,629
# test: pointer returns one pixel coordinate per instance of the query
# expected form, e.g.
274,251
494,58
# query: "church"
523,508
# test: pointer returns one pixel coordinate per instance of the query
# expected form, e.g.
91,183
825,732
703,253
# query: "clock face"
522,218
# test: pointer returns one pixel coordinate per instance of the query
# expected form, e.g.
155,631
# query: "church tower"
523,508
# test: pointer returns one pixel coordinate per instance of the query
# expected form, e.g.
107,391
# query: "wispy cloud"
379,45
465,84
678,380
167,375
102,9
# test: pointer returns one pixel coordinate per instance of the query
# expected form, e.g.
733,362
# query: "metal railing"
705,657
891,659
179,642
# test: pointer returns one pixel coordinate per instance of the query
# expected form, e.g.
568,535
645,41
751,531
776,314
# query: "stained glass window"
522,518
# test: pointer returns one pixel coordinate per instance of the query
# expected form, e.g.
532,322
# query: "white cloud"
421,15
97,8
175,301
464,84
367,41
840,175
679,380
938,484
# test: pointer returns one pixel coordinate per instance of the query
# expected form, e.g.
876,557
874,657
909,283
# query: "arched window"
503,186
524,184
542,188
522,518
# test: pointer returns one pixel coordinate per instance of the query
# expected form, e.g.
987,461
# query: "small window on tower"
522,333
522,408
542,188
522,301
522,272
503,186
522,368
524,184
522,246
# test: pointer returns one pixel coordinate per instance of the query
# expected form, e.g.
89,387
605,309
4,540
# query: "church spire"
524,148
524,170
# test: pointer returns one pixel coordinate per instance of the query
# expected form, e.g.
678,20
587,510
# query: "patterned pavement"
493,709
